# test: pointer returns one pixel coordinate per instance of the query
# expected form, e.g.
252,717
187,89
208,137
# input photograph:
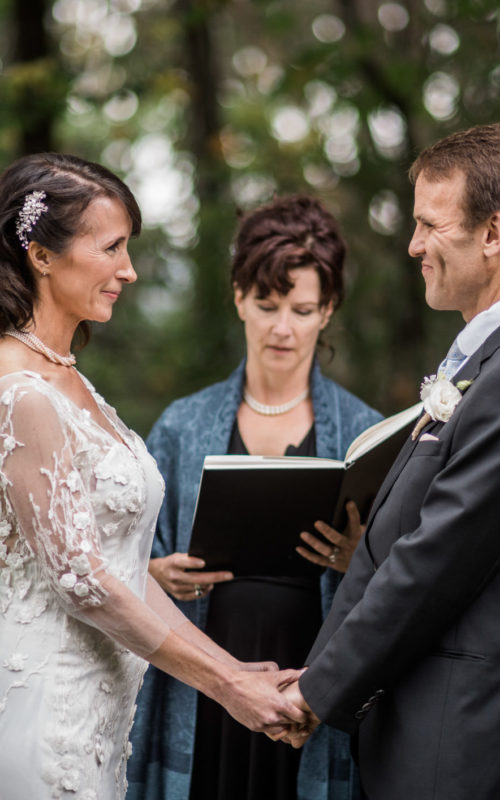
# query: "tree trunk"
31,48
216,216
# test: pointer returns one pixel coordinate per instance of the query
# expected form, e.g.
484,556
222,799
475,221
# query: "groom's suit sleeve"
430,549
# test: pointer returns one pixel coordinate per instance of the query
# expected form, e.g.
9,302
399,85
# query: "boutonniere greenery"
440,398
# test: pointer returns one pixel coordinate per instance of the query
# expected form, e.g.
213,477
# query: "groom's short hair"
476,153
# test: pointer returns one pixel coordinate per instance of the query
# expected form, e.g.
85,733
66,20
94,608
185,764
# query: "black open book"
251,509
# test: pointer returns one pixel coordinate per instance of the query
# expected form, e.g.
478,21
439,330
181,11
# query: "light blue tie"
451,364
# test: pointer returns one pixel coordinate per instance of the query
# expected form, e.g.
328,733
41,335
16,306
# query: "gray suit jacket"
409,656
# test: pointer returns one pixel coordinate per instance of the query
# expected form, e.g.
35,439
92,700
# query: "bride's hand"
258,666
257,700
336,555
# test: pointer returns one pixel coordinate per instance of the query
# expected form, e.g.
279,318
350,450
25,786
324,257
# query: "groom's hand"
296,733
256,699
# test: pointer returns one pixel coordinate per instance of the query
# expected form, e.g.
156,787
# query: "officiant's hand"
338,554
170,572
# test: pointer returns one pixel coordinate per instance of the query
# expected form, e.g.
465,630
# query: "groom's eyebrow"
422,218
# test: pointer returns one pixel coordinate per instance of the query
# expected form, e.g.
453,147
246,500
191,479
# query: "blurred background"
205,107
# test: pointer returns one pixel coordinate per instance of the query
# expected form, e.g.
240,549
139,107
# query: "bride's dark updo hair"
290,232
70,184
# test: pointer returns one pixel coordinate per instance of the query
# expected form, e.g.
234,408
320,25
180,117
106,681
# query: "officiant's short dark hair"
476,153
287,233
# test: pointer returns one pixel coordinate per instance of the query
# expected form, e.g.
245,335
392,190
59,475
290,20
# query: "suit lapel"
392,475
468,372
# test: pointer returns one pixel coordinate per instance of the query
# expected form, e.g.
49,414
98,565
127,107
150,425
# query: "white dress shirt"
477,331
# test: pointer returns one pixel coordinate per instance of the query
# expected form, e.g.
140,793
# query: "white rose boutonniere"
440,398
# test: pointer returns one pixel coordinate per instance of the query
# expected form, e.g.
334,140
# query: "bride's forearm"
162,605
181,656
253,698
190,633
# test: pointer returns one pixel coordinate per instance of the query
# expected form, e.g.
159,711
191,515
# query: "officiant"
287,275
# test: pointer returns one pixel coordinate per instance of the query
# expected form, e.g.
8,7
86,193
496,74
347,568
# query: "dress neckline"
307,447
96,397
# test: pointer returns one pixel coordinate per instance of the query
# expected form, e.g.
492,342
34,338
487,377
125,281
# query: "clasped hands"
268,700
295,733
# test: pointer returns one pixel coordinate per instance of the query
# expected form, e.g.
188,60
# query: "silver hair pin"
32,210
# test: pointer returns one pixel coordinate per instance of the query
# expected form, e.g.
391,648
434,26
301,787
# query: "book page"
270,462
371,437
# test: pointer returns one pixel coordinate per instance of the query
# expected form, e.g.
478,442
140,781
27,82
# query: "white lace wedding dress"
77,515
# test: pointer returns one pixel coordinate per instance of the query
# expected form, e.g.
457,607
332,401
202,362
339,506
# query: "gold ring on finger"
198,590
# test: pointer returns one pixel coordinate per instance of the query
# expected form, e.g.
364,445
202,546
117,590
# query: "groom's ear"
491,242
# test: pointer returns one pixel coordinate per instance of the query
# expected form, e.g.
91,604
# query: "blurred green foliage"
210,106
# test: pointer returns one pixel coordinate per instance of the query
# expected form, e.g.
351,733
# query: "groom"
408,659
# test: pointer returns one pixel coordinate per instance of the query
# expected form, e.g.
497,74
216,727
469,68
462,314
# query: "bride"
79,494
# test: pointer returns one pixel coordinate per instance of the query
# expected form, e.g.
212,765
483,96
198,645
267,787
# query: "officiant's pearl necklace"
36,344
271,411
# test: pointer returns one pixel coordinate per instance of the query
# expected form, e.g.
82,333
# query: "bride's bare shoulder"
15,357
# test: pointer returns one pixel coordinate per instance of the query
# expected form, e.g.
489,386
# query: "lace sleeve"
48,512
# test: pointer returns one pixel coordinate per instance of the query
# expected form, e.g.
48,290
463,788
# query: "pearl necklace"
36,344
271,411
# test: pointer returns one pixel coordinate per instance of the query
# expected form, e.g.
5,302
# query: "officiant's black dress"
255,619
